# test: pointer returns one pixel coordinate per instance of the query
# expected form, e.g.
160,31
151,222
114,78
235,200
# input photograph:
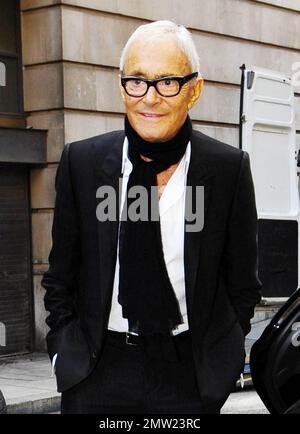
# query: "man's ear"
122,91
196,92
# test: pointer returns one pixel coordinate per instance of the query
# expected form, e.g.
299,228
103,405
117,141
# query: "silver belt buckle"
127,339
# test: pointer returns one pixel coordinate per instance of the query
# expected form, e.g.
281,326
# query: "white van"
267,133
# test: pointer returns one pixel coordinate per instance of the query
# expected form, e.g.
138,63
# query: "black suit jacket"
220,261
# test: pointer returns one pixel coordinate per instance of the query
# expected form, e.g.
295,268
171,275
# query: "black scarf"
145,292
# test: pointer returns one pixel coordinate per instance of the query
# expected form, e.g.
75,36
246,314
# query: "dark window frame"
18,56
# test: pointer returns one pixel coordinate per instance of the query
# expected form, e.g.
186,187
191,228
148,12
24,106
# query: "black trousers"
127,381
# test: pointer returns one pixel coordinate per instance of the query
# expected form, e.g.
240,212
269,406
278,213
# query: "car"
275,360
3,408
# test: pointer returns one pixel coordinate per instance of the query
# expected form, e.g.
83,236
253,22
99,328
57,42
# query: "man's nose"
152,96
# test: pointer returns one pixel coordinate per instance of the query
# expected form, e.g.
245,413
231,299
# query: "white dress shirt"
172,213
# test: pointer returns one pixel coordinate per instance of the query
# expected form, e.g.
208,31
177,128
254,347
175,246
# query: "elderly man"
147,313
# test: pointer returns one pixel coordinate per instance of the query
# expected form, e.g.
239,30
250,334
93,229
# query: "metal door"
15,268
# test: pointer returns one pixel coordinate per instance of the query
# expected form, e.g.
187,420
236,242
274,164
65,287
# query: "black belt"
130,339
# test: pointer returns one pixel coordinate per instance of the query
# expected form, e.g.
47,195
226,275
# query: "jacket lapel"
199,174
107,172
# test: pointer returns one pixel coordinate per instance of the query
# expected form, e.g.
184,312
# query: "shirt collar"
125,159
187,157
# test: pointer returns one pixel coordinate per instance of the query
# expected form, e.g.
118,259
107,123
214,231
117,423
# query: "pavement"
245,401
28,387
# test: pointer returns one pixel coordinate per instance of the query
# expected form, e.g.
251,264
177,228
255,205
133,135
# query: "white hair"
162,28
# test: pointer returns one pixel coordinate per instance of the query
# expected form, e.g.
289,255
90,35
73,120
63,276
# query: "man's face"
154,117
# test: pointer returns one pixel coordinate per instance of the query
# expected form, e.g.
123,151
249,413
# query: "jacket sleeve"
241,267
61,278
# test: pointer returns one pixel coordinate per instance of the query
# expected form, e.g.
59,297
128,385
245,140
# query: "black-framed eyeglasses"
166,86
